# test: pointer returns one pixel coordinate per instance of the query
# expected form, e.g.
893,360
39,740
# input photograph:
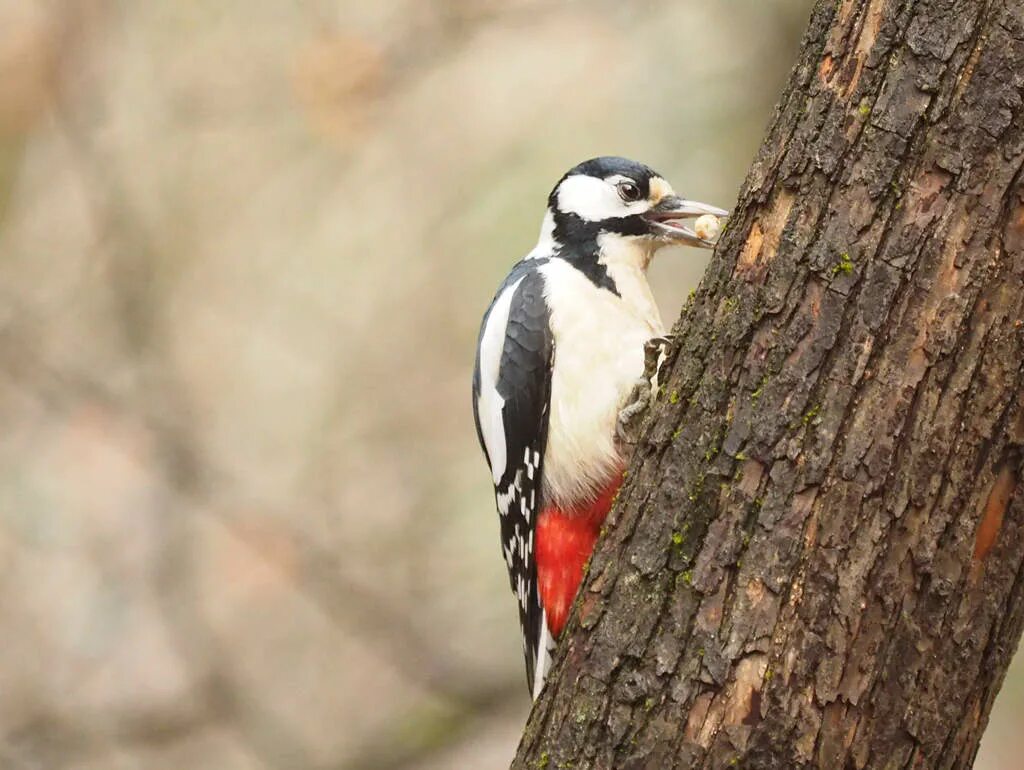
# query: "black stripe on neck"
577,243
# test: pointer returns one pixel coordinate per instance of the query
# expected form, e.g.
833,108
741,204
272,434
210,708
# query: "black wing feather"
524,382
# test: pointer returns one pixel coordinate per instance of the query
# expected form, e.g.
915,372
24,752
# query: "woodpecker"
560,349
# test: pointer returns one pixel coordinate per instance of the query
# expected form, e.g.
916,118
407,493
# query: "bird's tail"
545,646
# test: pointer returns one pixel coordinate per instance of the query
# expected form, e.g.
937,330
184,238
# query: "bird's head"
615,198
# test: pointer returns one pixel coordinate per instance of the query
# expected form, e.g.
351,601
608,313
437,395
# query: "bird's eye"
628,191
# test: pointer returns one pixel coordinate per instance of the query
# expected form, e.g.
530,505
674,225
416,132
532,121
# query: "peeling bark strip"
817,558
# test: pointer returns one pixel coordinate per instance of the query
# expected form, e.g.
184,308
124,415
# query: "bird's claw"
627,428
645,390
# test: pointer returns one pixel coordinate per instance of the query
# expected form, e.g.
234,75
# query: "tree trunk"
816,559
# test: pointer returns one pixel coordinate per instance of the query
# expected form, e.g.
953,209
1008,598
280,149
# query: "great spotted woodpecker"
560,349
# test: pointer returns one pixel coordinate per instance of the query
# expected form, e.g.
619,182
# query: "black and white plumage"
560,348
513,400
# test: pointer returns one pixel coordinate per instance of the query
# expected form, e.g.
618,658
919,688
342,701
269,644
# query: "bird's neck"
611,261
624,252
625,260
546,246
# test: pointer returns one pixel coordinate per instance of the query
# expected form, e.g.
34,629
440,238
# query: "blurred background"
244,249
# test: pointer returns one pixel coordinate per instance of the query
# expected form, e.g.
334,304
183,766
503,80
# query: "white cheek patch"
593,199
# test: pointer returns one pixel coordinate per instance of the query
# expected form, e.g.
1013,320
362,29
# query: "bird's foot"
645,390
631,416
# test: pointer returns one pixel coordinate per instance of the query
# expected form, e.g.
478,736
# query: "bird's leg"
645,390
627,428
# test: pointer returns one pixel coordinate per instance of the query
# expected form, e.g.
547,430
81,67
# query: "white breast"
599,340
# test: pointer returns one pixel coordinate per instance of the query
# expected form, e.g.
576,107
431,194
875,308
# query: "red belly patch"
565,540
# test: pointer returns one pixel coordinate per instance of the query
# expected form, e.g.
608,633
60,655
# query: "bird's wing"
511,394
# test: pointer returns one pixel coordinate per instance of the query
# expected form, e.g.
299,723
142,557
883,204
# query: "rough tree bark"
816,559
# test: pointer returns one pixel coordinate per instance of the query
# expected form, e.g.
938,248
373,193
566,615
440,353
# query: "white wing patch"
504,498
490,403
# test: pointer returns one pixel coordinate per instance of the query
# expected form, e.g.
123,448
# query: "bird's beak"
665,220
